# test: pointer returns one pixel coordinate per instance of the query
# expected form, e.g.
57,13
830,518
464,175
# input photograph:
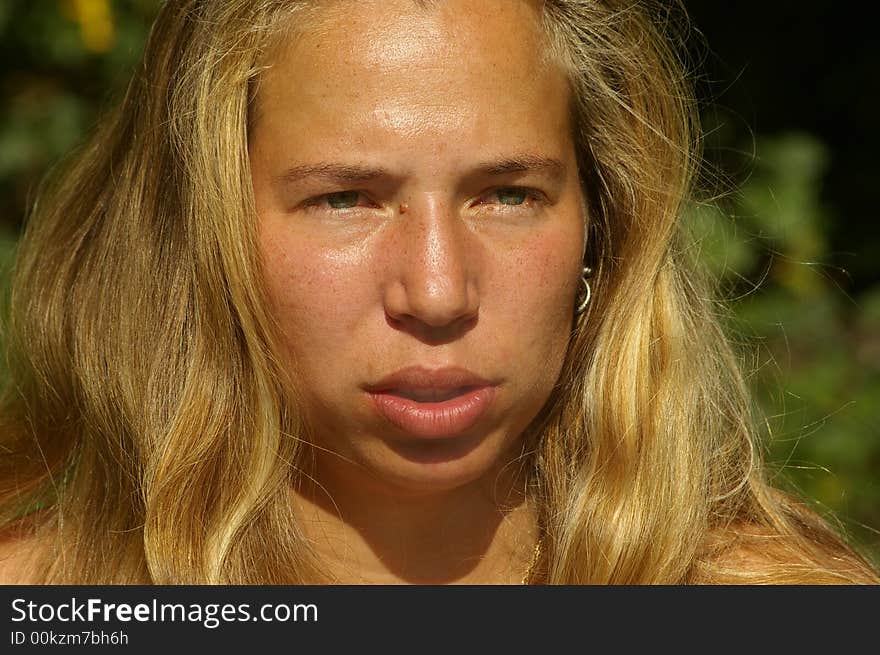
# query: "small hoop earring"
586,301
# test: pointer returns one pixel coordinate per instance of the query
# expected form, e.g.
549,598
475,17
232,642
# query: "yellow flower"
95,19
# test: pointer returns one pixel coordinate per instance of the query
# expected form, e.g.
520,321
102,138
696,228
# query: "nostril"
396,323
431,334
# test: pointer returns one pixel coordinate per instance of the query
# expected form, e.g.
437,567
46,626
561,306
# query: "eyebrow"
344,173
357,174
524,164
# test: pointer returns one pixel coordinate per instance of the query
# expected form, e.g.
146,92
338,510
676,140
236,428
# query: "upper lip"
420,378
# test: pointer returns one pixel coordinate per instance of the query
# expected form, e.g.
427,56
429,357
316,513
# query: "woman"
387,292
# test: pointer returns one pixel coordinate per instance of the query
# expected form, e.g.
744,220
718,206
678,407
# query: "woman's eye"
343,199
512,196
338,201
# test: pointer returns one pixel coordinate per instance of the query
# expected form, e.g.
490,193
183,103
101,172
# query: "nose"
432,291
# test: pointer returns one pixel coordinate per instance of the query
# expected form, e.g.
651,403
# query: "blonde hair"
148,417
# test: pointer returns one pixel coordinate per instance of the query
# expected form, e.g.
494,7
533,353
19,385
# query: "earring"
586,301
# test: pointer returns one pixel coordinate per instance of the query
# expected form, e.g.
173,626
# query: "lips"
432,403
431,395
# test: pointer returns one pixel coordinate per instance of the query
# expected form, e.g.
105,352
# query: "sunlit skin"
417,190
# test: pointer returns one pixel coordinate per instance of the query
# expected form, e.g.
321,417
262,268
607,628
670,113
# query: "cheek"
541,282
311,290
534,293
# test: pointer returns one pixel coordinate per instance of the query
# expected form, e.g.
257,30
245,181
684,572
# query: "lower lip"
435,420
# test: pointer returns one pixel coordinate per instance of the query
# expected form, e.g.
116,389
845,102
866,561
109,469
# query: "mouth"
431,404
431,395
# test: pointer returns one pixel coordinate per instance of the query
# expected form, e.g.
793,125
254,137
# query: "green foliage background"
808,330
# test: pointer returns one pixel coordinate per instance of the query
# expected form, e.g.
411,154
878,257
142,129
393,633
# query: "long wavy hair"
149,433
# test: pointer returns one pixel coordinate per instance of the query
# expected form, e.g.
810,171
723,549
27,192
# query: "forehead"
387,33
358,70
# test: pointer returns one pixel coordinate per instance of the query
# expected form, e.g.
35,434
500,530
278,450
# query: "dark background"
791,94
780,67
789,97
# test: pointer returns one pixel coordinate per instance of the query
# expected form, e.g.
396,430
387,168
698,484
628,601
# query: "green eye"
343,199
512,196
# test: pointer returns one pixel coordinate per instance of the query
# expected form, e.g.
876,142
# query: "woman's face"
421,227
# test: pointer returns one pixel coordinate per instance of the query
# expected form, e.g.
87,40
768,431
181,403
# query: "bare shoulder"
756,554
20,548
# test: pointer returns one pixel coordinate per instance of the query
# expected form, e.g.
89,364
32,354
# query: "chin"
439,465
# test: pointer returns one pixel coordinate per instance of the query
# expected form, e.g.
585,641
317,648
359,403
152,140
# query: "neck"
373,533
